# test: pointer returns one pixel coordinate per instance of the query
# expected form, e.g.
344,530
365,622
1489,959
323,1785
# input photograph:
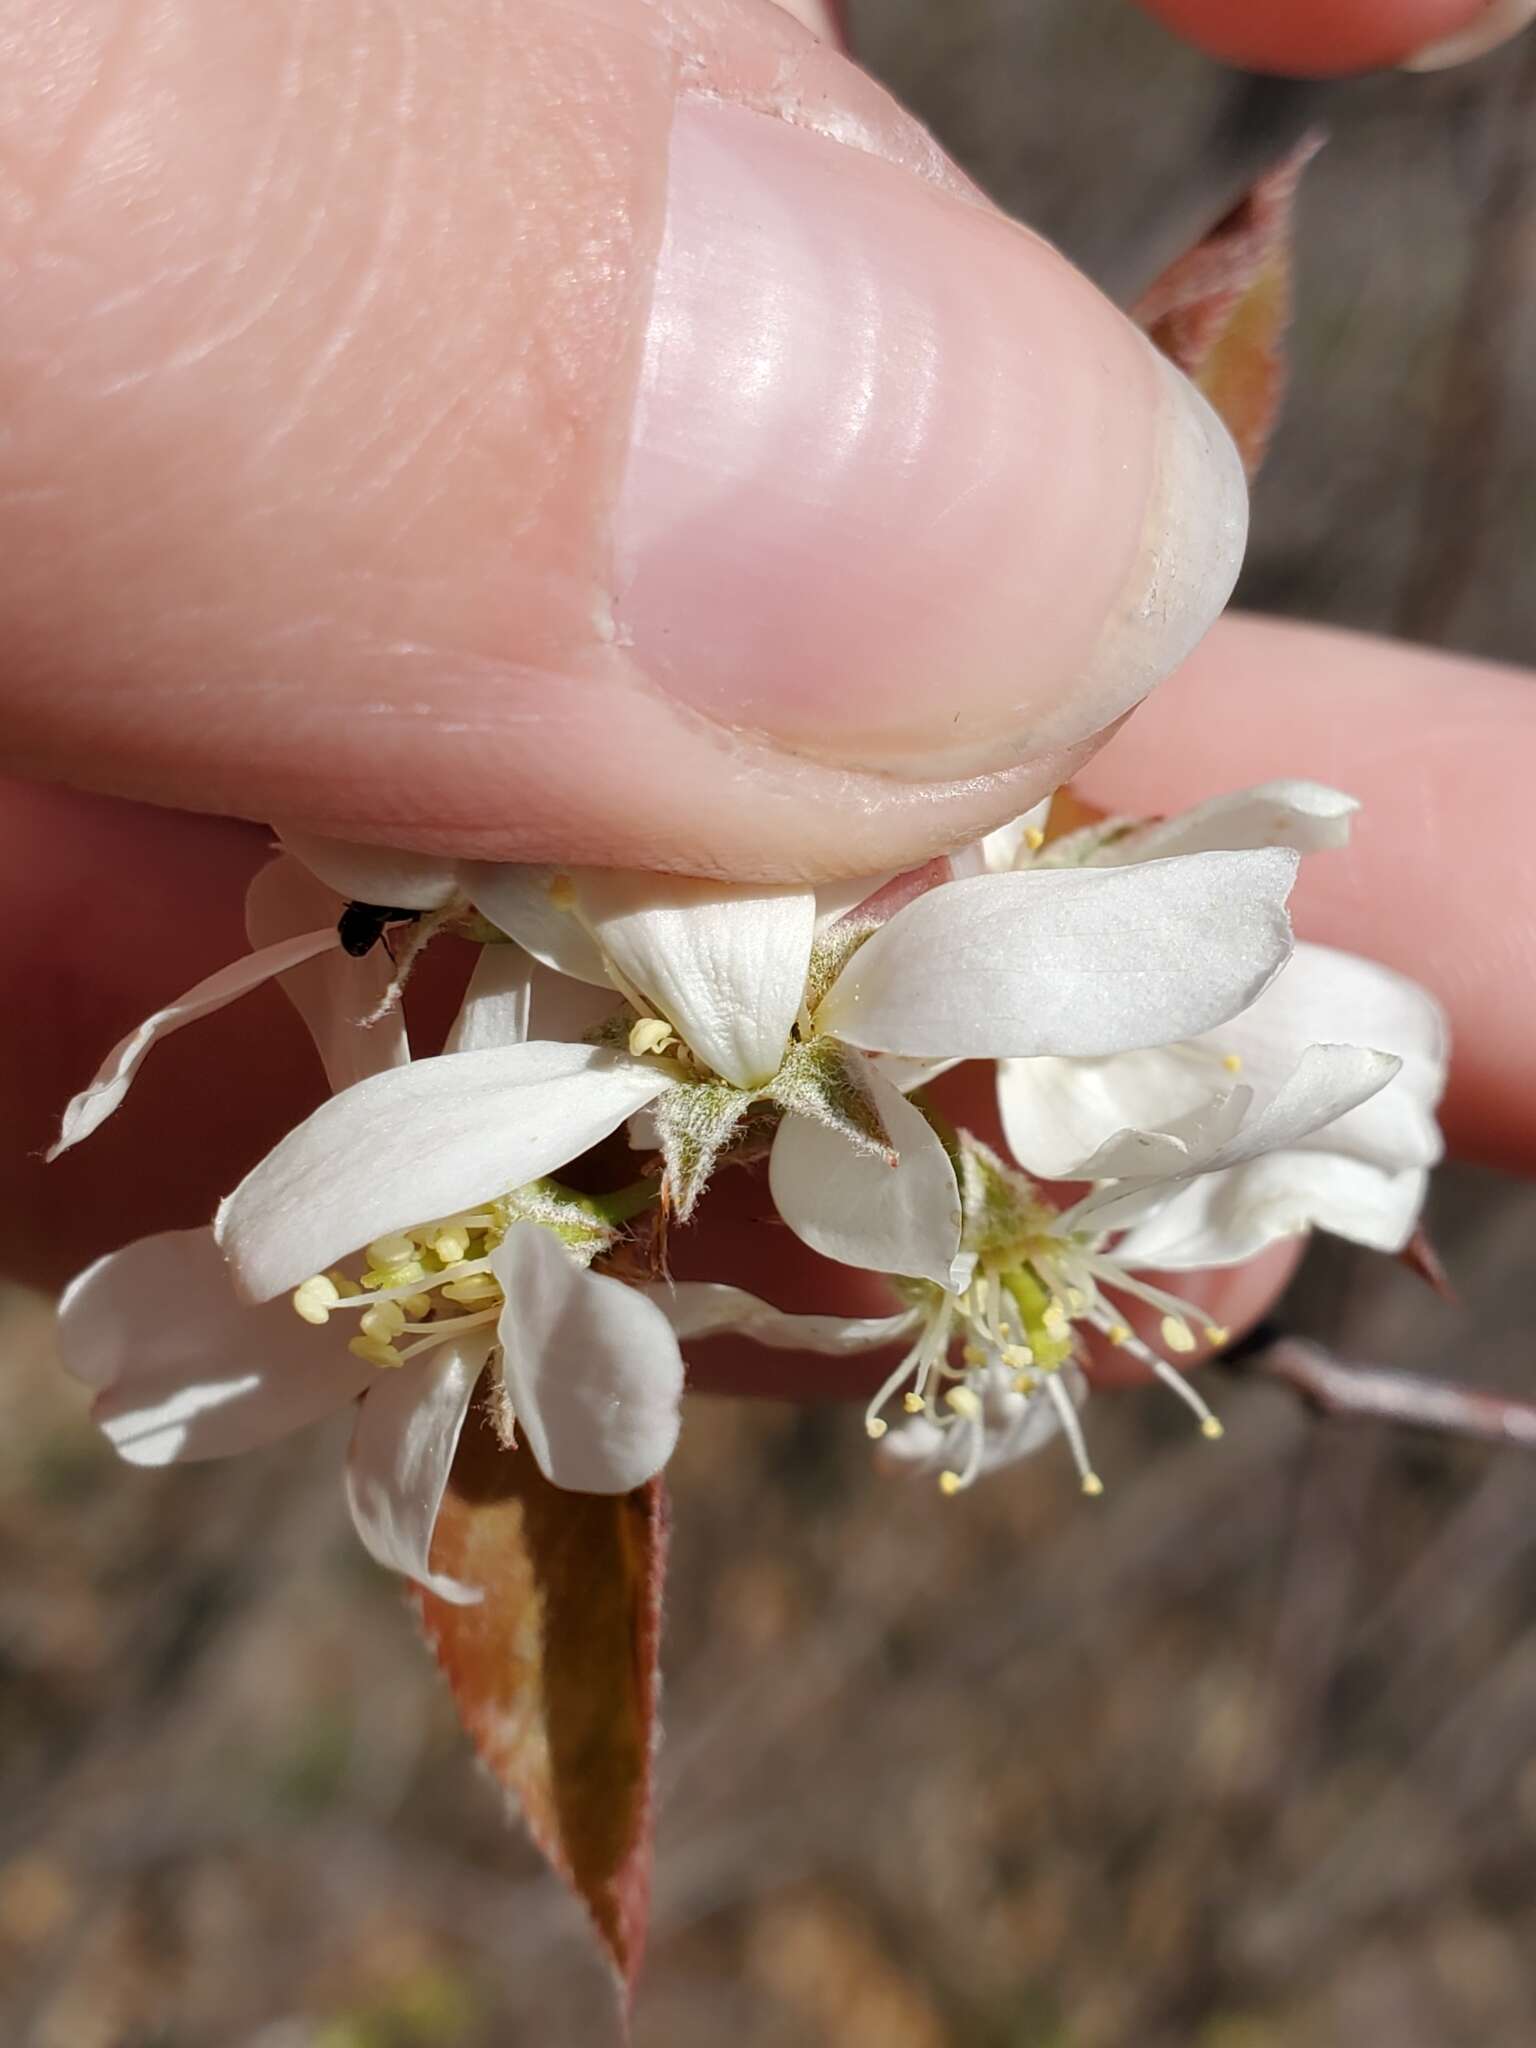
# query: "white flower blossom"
750,995
1314,1107
990,1369
589,1373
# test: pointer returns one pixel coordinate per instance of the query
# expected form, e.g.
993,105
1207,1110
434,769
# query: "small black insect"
361,926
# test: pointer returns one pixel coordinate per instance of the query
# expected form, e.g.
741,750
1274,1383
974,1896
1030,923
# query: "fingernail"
1498,21
904,492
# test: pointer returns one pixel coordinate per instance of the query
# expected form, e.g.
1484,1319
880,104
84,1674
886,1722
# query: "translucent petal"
591,1367
855,1208
181,1368
1072,960
401,1454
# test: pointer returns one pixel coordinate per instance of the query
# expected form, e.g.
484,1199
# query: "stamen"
1177,1334
1072,1430
1034,838
315,1299
650,1034
1233,1062
965,1402
395,1250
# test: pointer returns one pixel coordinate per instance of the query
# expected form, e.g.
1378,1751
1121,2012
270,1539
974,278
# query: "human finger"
1326,38
627,441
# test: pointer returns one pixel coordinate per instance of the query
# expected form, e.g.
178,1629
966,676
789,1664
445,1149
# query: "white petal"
1323,996
182,1368
517,901
997,853
1068,960
592,1368
725,964
855,1208
497,1003
563,1009
1328,1080
1222,1219
701,1308
93,1105
1304,815
1133,1113
376,874
401,1454
332,992
426,1140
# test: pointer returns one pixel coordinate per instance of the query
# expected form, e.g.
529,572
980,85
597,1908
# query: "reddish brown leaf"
555,1672
1420,1256
1222,309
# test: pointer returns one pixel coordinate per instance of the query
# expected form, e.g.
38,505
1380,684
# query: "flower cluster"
1208,1087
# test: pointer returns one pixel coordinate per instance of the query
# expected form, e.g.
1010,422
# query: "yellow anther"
375,1353
876,1427
1211,1428
1018,1356
562,892
1233,1062
451,1246
316,1298
1054,1321
1077,1301
344,1287
1119,1333
1177,1334
965,1402
405,1274
391,1251
1034,838
949,1482
473,1291
386,1319
1217,1333
417,1307
1025,1383
650,1034
973,1354
912,1401
1093,1485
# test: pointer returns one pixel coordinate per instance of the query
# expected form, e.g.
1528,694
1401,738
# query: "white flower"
590,1373
1315,1106
990,1368
752,994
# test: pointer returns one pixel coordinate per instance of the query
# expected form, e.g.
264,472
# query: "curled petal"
93,1105
1324,996
375,874
856,1208
725,964
427,1140
1305,815
407,1430
1222,1219
333,993
517,900
181,1368
591,1367
1068,960
702,1308
1130,1115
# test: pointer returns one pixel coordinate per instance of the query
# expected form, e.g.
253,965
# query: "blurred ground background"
1238,1757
